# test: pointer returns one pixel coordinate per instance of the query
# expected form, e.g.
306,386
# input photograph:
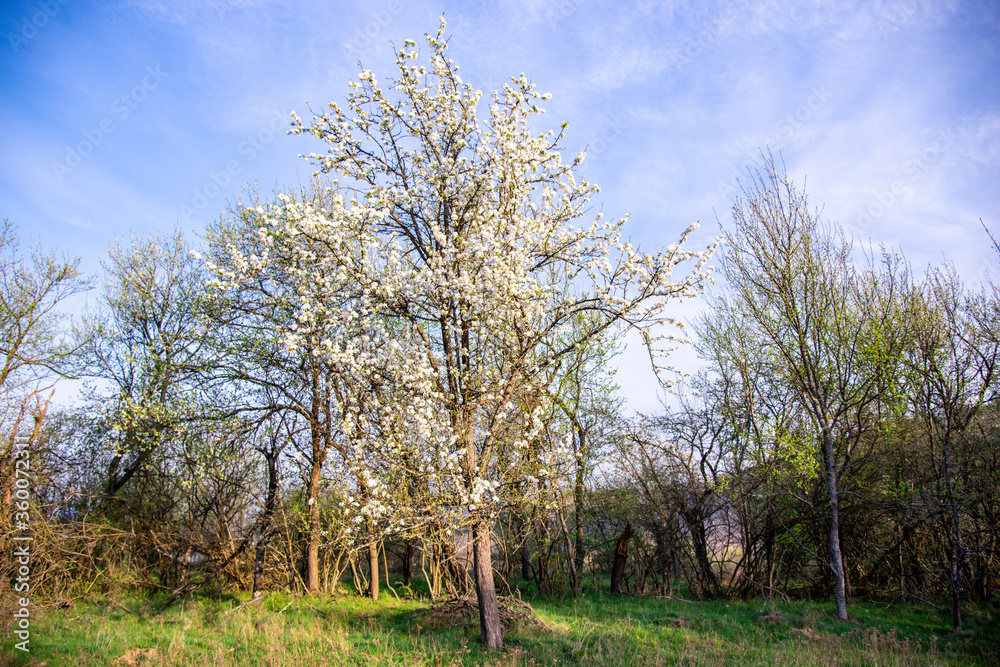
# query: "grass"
595,630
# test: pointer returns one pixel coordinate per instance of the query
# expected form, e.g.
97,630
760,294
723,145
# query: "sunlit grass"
595,630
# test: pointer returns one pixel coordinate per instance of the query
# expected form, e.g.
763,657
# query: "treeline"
209,451
843,437
410,370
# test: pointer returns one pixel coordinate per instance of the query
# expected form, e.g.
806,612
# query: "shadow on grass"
594,630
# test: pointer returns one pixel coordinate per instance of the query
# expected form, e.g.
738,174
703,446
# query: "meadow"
283,630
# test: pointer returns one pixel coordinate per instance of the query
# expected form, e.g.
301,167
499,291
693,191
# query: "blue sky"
132,117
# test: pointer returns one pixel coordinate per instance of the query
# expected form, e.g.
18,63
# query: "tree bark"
578,495
699,537
312,491
267,520
956,551
258,565
543,553
490,630
373,566
524,550
408,563
315,528
955,574
833,530
621,554
570,556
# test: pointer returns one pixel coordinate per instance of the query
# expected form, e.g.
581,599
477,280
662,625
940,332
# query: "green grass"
594,630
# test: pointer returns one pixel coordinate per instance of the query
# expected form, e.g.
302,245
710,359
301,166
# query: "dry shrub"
877,642
457,611
774,618
137,656
8,605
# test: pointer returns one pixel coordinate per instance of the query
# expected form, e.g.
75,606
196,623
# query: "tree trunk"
955,574
621,554
315,528
956,551
312,493
578,495
490,630
543,553
769,563
833,530
373,566
455,575
258,565
525,551
570,555
408,563
709,583
267,520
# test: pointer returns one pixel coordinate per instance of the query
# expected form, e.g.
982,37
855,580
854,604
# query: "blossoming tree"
454,228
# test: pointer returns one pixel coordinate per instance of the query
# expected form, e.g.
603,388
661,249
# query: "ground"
595,630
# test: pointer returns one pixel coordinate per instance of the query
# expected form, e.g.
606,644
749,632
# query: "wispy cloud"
673,100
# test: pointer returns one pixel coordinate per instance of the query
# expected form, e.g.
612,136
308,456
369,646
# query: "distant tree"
834,333
678,463
35,343
584,391
953,364
759,425
36,347
148,349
